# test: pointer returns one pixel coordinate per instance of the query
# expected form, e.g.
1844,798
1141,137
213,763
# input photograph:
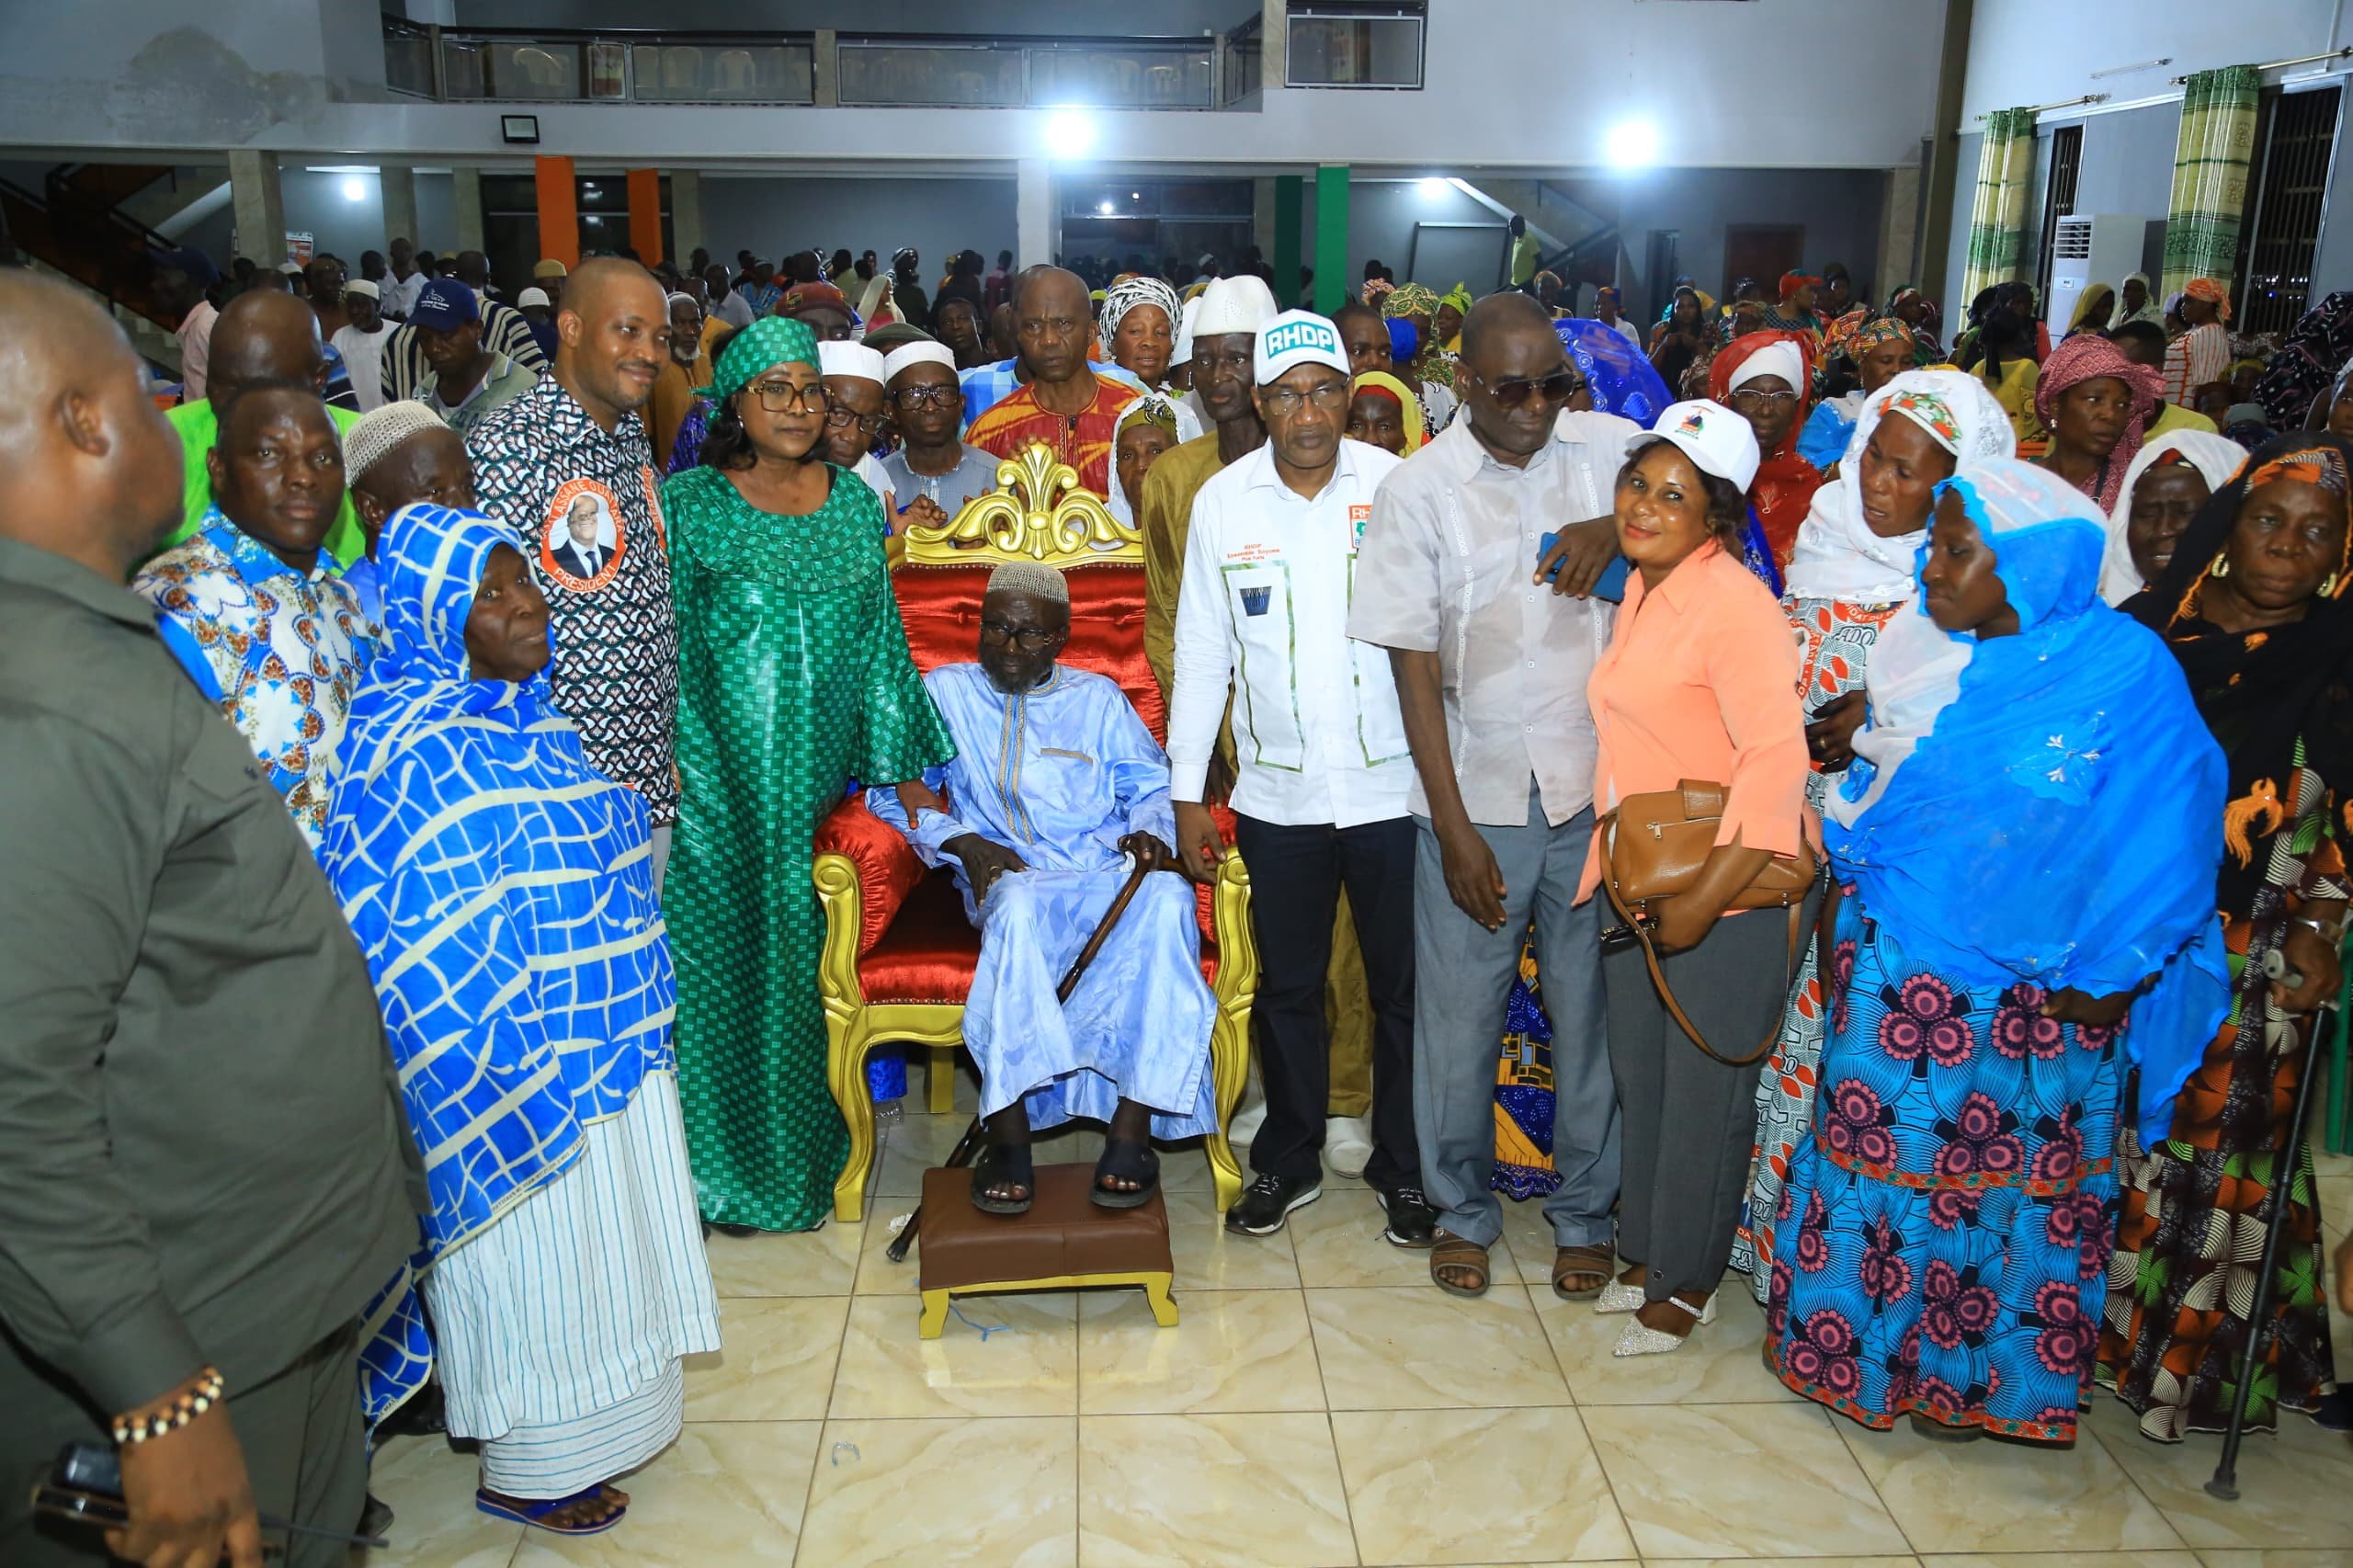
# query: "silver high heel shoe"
1618,1298
1640,1339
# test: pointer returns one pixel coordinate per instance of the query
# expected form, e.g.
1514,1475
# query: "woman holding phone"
1700,683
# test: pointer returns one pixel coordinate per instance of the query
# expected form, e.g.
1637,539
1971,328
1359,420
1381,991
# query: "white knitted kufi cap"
373,436
850,359
1031,577
1240,303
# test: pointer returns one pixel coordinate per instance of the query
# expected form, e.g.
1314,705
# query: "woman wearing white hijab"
2182,469
1851,571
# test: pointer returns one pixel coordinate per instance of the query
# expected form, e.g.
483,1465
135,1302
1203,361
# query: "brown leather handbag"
1652,848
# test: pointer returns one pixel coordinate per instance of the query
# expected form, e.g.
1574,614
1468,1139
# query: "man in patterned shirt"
569,460
1063,399
284,638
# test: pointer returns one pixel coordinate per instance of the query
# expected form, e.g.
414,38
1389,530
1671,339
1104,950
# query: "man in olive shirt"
204,1162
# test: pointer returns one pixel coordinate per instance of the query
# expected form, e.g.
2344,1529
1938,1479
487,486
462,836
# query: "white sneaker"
1245,1123
1347,1144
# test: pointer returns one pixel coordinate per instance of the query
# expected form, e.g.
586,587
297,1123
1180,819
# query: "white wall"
1512,83
2039,52
772,214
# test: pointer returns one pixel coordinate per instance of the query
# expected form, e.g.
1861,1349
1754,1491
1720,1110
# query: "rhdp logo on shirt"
1359,513
1315,335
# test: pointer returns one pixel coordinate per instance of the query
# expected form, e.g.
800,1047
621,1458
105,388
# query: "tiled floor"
1321,1404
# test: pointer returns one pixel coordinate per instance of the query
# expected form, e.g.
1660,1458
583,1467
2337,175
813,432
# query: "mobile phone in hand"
1612,586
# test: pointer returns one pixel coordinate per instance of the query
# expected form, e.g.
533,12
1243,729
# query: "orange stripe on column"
645,214
559,203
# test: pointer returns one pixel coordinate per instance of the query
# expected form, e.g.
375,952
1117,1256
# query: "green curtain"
1997,217
2210,168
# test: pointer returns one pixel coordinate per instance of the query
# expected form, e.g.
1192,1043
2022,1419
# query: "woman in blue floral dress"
2025,848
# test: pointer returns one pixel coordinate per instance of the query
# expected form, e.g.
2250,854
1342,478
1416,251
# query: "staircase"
75,227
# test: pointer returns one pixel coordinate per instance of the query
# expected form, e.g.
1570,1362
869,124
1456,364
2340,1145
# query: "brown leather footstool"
1063,1243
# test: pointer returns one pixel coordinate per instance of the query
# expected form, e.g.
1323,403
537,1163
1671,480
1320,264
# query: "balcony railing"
868,69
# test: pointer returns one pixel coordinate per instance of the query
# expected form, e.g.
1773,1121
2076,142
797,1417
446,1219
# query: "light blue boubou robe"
1059,775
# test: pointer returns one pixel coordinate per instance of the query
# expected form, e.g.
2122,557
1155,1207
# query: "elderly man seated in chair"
1056,781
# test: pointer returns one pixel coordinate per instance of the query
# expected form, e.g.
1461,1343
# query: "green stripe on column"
1331,236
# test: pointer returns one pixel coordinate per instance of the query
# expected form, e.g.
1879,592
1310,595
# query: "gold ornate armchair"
899,954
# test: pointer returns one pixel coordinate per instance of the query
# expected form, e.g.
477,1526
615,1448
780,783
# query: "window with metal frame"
2295,143
1355,43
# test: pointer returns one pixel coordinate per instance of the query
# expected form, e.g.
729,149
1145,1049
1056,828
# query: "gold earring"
2221,566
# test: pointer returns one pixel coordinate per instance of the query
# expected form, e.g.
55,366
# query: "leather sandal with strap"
1586,1263
1450,1252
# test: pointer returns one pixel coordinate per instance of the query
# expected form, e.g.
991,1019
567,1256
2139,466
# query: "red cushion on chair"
887,868
930,951
941,606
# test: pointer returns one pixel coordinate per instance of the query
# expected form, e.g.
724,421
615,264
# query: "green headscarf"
1459,297
767,343
1409,299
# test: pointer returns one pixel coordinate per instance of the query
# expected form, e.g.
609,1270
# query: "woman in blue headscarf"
2025,847
502,891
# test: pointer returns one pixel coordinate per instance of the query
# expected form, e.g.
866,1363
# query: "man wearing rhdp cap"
1491,666
1319,798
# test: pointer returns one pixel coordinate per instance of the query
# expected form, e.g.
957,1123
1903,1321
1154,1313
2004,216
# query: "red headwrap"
2086,357
1783,489
802,296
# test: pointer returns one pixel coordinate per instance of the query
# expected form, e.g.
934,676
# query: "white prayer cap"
851,359
362,286
673,298
1183,353
1240,303
530,296
1780,360
290,268
1029,578
1710,435
373,436
1296,338
921,352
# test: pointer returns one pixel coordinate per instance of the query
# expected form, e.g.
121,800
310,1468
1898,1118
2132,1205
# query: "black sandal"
1002,1165
1122,1159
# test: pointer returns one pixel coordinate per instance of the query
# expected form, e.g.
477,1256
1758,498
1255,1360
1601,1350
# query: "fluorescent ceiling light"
1632,145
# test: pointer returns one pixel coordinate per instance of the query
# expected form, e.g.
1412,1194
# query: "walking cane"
2224,1483
969,1145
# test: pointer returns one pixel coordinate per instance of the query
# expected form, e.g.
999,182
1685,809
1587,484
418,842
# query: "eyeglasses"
1283,402
1029,639
843,418
1558,387
1750,401
940,397
783,397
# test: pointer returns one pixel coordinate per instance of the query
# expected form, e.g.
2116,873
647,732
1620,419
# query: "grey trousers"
1462,980
305,1454
1690,1121
661,854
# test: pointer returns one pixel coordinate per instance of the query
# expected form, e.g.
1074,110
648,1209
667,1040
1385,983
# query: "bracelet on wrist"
2333,935
185,1407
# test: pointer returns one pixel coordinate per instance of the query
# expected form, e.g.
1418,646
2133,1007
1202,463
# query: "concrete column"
824,87
1898,233
260,211
1331,236
1034,228
645,214
399,183
1274,34
686,211
466,190
559,202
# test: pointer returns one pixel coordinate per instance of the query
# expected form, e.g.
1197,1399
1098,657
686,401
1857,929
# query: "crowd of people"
411,1027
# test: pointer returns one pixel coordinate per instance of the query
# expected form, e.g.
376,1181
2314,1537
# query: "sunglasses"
1559,387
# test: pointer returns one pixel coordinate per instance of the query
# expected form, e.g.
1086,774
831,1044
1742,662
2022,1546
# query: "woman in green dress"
794,678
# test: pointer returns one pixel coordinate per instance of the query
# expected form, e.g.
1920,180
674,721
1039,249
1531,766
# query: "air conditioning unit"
2088,250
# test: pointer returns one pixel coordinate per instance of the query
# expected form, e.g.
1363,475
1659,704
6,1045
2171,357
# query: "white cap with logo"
1710,435
1296,338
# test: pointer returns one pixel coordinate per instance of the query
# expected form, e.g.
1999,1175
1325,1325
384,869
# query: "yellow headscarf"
1411,407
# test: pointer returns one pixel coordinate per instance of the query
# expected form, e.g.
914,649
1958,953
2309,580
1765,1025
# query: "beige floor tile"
2293,1490
1990,1496
1231,1351
877,1275
774,1360
912,1147
725,1492
2060,1560
1185,1167
1721,1364
1709,1481
430,1489
822,1262
1417,1348
2290,1557
1211,1257
1475,1485
991,1494
1210,1492
1030,1367
1337,1238
1904,1560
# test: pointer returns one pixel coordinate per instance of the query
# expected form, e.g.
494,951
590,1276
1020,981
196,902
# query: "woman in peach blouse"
1700,683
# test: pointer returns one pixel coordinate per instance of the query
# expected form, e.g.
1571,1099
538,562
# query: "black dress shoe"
1412,1221
1261,1211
